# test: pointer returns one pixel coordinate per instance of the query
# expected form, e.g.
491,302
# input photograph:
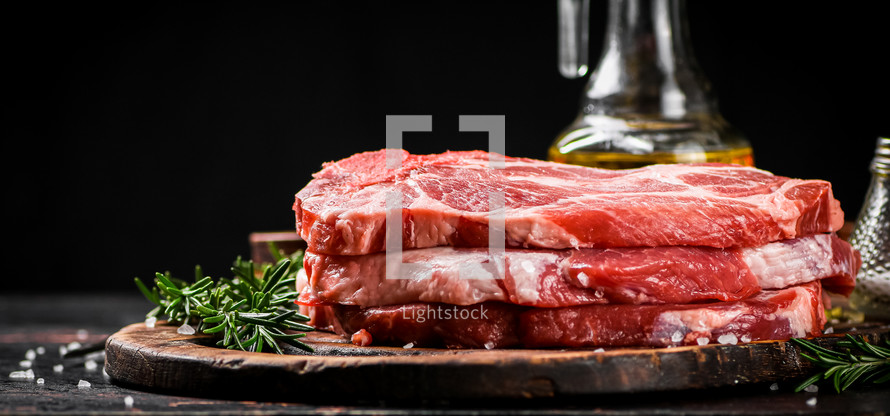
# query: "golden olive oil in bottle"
647,101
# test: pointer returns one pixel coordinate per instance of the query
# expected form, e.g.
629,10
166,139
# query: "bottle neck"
648,68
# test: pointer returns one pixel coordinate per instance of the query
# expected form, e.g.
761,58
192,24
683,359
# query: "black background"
153,136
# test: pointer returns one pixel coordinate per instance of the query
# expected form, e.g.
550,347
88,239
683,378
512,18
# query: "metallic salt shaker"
871,236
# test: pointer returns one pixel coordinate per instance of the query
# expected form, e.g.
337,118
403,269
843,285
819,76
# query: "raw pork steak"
555,278
445,201
797,311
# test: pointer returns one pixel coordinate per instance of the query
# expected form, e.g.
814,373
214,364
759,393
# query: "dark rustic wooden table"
29,322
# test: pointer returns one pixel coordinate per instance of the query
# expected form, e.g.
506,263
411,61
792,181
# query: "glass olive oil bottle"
647,101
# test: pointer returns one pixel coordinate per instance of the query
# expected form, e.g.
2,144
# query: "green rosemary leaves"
246,312
871,364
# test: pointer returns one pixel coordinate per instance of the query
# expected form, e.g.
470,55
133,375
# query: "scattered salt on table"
25,364
40,381
702,341
41,350
408,345
812,388
746,338
811,401
150,322
828,331
90,365
83,384
58,368
63,350
600,350
774,386
489,345
73,346
185,329
30,355
27,374
128,401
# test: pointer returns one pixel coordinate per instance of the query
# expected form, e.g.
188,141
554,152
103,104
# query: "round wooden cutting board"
160,359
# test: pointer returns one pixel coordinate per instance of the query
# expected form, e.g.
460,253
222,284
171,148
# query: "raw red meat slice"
770,315
557,278
551,205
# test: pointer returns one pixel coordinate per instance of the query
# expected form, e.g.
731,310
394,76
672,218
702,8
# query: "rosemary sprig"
247,312
843,367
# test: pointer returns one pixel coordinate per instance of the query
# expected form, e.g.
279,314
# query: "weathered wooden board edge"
162,360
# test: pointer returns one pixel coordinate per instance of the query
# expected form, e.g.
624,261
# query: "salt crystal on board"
811,401
774,386
30,355
702,341
58,368
746,338
677,336
41,350
185,329
488,345
40,381
90,365
128,402
600,350
63,350
25,364
728,339
73,346
812,388
830,330
408,345
150,322
83,384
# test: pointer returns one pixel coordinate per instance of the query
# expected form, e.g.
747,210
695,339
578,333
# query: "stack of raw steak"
663,255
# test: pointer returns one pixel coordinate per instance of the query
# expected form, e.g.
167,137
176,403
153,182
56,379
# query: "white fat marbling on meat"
783,264
526,269
799,313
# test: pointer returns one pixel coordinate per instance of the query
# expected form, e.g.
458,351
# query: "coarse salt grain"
812,388
488,345
73,346
600,350
25,364
150,322
20,375
702,341
63,350
677,336
408,345
728,339
186,329
90,365
128,401
746,338
811,401
40,381
41,350
58,368
83,384
774,386
30,355
830,330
